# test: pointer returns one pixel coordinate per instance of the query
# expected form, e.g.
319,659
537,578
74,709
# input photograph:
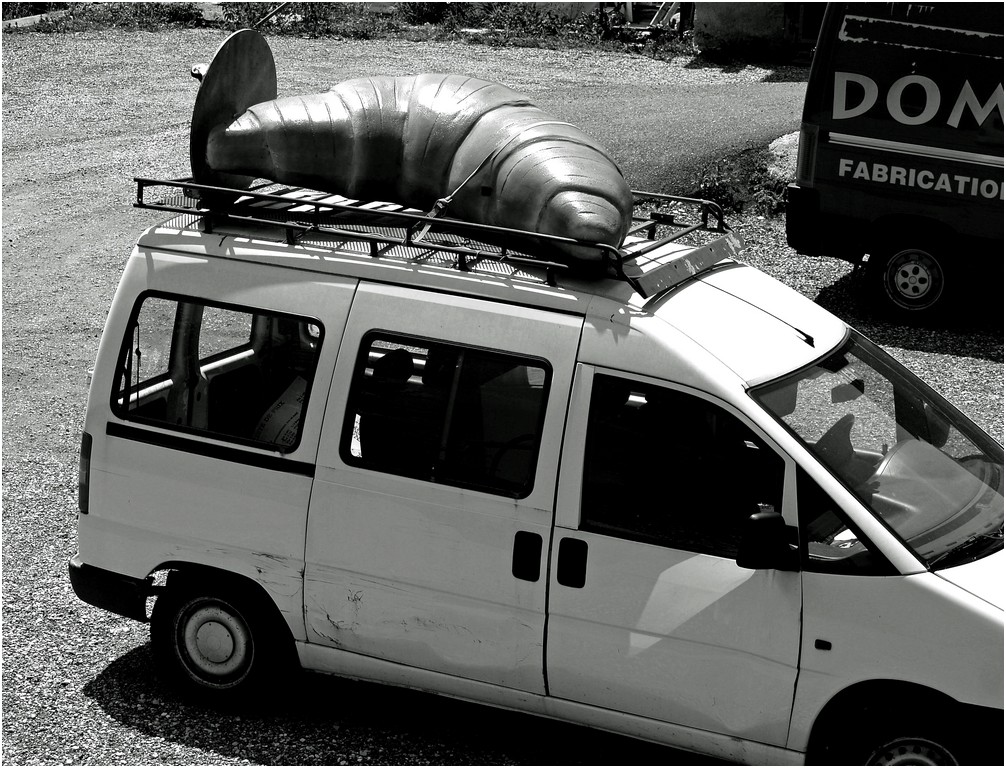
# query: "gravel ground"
77,682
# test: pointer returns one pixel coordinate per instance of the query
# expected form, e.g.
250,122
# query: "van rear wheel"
215,644
909,280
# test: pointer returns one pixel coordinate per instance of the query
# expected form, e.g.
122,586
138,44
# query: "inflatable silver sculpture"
481,150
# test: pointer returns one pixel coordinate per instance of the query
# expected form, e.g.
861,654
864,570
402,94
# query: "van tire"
214,643
910,280
870,736
911,750
912,738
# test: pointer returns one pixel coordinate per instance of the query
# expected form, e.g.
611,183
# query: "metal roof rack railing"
300,212
694,223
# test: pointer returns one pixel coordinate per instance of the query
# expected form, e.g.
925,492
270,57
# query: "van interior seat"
395,429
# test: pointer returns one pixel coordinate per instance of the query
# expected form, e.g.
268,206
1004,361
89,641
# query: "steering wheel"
835,445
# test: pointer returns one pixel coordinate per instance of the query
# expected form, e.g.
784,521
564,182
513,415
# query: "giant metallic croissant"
412,140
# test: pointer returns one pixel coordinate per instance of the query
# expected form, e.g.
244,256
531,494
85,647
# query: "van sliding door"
432,507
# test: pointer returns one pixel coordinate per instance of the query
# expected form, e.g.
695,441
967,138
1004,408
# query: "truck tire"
909,280
215,643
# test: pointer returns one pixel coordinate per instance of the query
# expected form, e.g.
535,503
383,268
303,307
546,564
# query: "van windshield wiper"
986,540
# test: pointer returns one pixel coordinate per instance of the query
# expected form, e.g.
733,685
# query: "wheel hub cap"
913,281
215,642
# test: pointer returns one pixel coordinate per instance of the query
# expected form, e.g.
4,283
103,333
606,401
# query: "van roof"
735,314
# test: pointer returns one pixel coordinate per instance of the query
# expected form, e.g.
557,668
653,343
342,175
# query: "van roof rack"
642,261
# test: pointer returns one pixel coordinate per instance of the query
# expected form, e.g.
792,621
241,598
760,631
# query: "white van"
678,501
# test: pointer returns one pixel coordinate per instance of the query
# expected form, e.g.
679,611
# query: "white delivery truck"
667,497
901,153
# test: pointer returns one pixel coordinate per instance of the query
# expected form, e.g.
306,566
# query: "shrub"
741,182
350,20
146,16
422,13
21,10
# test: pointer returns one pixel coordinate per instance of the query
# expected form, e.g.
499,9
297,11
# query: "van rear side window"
447,414
231,373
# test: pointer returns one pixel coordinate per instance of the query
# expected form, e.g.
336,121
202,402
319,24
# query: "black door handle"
572,570
527,556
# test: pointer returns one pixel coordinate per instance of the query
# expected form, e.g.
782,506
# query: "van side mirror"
764,543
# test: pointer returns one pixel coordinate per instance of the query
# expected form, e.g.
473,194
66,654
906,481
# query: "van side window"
832,544
230,373
447,414
668,468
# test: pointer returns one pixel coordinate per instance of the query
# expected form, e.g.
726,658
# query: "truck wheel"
212,643
910,280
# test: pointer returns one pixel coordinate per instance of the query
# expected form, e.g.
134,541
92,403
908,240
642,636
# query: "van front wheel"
207,643
909,280
911,750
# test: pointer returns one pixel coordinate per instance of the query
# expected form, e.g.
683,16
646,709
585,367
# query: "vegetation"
742,183
21,10
78,17
500,24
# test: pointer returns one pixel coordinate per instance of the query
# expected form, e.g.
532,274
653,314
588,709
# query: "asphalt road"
666,133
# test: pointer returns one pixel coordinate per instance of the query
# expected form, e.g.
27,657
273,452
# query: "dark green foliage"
21,10
422,13
350,20
741,183
147,16
500,24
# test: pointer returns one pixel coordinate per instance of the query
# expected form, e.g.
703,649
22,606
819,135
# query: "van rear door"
205,412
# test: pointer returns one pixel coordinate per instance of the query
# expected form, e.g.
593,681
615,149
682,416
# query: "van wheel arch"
854,726
243,605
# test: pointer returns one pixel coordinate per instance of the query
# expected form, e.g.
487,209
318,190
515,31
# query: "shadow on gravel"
779,72
974,329
323,720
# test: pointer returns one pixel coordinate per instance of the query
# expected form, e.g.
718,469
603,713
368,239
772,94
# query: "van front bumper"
113,592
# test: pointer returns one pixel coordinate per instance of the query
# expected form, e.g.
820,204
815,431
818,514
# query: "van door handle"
572,570
527,556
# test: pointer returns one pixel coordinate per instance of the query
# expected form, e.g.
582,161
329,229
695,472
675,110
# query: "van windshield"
918,463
